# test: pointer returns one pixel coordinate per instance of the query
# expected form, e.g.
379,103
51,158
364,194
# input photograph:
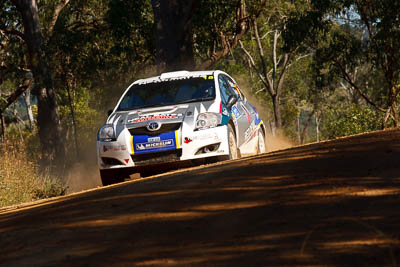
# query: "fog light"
208,149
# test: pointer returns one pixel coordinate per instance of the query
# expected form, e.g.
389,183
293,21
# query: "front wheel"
261,142
233,151
110,177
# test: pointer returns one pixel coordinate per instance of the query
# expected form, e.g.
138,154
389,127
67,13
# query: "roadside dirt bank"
328,204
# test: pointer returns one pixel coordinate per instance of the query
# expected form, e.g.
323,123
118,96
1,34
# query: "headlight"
106,133
208,120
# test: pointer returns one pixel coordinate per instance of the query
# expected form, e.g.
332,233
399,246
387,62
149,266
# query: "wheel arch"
232,124
262,126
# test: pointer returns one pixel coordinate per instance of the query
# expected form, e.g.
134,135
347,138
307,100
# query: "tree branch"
350,81
14,96
253,64
8,31
241,29
259,47
56,14
269,83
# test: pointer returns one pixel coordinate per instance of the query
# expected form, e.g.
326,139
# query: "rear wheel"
233,151
110,177
261,142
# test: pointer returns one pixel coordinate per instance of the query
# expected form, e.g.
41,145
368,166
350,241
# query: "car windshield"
168,93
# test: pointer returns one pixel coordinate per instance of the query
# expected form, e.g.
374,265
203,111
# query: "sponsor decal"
155,117
236,112
225,112
247,112
152,118
115,148
249,132
126,160
154,139
203,137
152,145
187,140
161,142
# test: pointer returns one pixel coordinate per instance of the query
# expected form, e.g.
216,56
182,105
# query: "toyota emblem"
153,126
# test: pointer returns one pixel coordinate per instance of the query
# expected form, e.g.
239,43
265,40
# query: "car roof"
175,75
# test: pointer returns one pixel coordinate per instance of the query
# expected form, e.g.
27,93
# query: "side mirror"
109,112
231,101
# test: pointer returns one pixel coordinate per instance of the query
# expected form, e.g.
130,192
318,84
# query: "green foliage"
88,119
352,120
210,19
349,36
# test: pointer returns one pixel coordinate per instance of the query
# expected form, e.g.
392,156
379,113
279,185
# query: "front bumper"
133,151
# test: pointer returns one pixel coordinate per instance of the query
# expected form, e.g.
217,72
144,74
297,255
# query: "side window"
226,90
235,88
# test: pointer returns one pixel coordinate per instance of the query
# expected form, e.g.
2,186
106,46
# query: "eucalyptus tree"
196,34
74,49
356,45
265,53
28,27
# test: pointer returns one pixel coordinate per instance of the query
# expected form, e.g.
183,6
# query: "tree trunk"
304,131
277,111
173,32
48,121
74,130
317,120
27,98
3,127
298,127
395,115
273,128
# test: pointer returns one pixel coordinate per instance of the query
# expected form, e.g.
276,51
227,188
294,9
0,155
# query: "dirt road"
329,204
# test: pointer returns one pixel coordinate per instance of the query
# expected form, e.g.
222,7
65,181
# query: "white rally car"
178,116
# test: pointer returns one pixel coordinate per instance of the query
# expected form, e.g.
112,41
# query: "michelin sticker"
152,145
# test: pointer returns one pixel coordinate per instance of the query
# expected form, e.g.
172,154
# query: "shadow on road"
326,204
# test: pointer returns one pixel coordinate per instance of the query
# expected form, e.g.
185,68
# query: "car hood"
186,113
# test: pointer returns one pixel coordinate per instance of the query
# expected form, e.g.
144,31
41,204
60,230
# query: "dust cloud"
83,173
277,142
82,176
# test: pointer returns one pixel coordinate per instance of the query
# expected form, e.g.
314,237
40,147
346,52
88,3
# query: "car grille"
165,128
157,157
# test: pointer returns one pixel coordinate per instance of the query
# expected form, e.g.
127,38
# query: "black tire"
110,177
232,144
261,145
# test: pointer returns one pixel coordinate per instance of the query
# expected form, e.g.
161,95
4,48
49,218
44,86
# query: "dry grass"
20,180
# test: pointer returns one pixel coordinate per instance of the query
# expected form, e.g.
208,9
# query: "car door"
241,115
